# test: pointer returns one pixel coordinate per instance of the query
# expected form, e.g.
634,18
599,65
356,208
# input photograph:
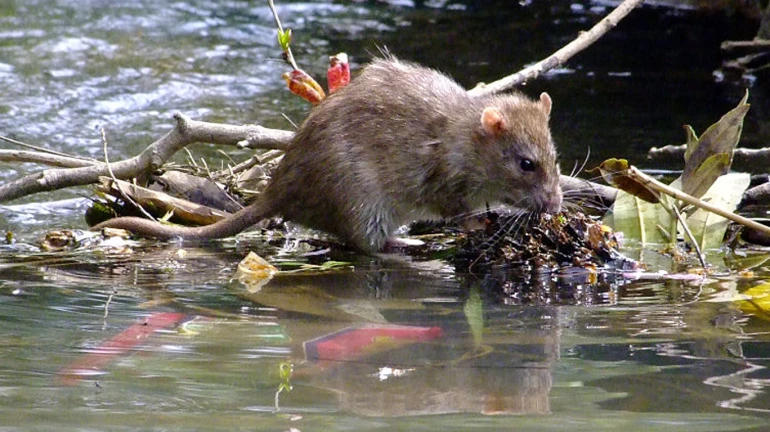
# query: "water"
500,351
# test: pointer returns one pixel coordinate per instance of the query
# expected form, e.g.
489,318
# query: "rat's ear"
545,99
492,121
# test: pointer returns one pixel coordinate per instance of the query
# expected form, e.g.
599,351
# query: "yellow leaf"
254,272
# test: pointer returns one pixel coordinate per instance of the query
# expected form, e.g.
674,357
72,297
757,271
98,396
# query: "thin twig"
689,235
125,195
643,178
559,57
43,149
288,56
756,44
45,158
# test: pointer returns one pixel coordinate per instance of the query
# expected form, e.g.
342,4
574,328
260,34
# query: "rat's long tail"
226,227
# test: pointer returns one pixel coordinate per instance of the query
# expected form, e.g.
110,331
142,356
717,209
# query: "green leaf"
721,137
284,39
330,265
708,228
700,180
691,143
474,314
638,219
285,370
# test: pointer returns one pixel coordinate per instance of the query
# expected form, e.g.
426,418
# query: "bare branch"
752,45
186,132
583,41
41,149
287,54
747,160
44,158
264,138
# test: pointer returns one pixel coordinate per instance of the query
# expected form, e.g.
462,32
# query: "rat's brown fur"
399,143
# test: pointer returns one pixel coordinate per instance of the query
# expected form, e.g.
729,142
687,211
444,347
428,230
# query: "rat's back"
359,161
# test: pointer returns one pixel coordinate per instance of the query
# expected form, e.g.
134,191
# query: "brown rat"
399,143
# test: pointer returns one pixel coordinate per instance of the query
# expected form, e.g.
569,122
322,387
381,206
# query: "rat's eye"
527,165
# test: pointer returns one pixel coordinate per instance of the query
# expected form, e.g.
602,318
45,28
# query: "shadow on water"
161,337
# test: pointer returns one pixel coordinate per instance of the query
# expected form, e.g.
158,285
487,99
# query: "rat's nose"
550,202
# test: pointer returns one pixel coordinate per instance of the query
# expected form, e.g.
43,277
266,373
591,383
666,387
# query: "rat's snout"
549,201
553,202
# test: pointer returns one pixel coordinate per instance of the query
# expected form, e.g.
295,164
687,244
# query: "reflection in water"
441,345
752,392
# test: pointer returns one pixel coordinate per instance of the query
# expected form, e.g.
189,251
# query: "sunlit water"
444,350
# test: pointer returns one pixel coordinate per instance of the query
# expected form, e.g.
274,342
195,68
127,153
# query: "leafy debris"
548,242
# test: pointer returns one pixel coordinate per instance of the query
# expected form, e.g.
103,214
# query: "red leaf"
338,74
304,86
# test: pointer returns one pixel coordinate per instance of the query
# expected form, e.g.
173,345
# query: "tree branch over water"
561,56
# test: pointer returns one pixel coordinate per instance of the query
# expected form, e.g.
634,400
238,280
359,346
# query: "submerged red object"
357,342
91,363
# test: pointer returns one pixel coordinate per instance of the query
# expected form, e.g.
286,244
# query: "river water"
161,337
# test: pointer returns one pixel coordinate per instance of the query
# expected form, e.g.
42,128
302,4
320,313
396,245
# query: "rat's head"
520,156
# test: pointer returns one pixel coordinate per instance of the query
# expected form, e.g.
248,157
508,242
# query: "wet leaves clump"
542,243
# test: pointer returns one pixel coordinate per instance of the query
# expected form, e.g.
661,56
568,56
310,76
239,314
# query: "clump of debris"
542,242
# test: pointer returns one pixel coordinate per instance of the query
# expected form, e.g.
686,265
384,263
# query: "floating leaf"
614,172
338,74
303,85
721,137
755,301
254,272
